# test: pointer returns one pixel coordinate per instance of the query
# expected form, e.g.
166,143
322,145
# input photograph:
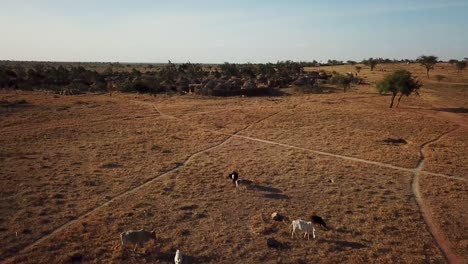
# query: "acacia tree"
461,65
428,62
371,62
399,82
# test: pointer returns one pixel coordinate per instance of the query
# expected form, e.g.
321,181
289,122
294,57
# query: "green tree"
267,69
428,62
168,73
371,63
399,82
194,71
461,65
248,70
135,73
229,69
343,81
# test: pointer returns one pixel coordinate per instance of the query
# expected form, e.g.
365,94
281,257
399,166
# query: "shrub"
342,80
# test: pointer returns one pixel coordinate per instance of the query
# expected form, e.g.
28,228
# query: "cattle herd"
140,237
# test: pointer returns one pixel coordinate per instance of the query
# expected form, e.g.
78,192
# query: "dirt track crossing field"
128,167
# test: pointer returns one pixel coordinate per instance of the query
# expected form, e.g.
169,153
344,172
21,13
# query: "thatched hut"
211,84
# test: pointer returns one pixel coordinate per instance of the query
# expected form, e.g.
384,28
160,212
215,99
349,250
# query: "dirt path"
434,229
146,183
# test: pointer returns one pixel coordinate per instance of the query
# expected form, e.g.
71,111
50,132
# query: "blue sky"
236,31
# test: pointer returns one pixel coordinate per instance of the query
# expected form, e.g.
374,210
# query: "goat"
178,257
233,176
302,225
136,237
242,184
318,220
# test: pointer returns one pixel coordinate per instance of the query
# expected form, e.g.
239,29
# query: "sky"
216,31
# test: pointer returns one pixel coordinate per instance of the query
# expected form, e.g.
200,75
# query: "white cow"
136,237
302,225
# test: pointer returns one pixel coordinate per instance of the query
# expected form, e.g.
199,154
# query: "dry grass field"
76,171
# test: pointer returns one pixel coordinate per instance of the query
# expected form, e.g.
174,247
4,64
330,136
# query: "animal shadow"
345,244
275,196
270,192
187,259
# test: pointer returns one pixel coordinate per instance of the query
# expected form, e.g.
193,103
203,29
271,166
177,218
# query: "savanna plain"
76,171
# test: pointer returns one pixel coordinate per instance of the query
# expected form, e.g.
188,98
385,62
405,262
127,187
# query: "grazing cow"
136,237
302,225
178,257
318,220
233,176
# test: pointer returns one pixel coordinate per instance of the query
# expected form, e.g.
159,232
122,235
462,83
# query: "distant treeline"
70,78
209,79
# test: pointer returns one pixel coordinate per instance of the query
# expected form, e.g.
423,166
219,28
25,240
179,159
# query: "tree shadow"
394,141
459,110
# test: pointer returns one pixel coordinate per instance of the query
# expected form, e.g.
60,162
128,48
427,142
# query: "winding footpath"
426,212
